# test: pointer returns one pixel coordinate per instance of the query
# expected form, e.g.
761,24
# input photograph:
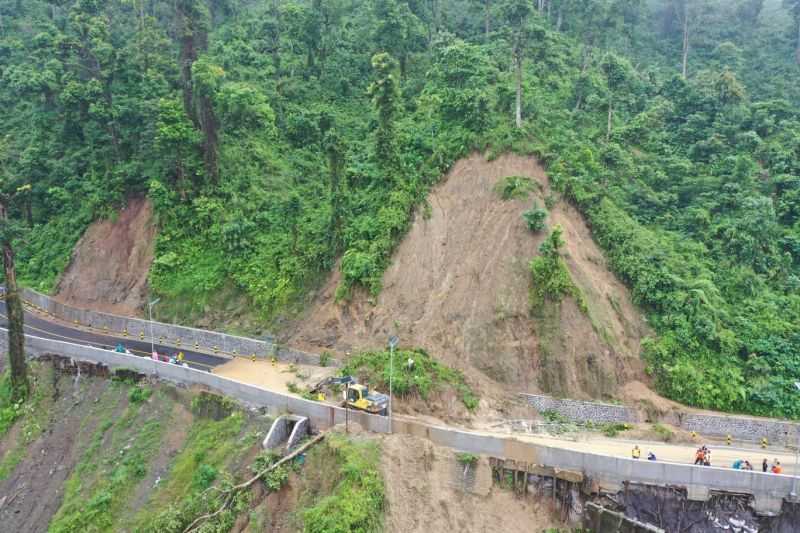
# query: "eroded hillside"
459,287
109,265
92,453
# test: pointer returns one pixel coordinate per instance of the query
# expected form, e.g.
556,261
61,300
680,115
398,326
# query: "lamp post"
150,315
393,340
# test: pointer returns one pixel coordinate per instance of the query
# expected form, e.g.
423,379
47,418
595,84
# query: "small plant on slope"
535,217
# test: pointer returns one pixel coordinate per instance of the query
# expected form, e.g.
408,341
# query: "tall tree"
335,153
619,75
195,23
384,93
399,32
794,8
516,14
16,332
684,14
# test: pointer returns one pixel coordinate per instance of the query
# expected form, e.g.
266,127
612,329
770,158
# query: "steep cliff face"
459,287
109,266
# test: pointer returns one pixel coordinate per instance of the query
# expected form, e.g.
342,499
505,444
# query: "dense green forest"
276,137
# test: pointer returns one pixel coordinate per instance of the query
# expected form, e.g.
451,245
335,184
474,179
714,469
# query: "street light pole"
150,315
393,340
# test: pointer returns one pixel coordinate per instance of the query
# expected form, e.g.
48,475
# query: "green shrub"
204,476
551,278
514,187
534,218
663,432
357,500
612,429
139,394
325,358
555,417
9,411
466,458
425,377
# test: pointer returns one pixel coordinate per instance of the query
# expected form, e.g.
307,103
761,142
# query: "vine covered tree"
385,94
8,232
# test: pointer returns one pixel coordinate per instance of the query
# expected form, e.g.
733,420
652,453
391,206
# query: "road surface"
722,456
39,327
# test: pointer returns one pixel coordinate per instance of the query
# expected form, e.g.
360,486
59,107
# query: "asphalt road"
39,327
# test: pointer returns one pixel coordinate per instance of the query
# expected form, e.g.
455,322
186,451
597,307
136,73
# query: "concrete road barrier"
769,490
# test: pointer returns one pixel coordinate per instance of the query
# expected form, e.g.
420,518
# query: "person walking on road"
764,465
636,452
776,468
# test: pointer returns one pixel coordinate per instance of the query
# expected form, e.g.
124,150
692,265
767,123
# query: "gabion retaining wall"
583,411
738,427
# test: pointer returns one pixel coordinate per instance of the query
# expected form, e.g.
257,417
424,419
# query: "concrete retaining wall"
321,415
170,334
768,490
583,411
286,431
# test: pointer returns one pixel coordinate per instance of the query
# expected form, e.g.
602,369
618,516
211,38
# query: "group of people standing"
744,464
702,456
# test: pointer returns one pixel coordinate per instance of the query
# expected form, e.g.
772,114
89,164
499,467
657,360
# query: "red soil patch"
459,287
109,266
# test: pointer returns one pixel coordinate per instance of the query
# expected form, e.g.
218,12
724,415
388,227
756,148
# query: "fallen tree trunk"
231,492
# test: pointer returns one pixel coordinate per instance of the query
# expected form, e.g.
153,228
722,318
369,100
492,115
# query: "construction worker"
700,456
180,357
636,453
776,468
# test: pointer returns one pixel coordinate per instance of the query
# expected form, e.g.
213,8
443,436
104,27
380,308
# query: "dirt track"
458,286
273,377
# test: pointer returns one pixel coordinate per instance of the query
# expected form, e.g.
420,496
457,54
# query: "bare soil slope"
459,287
109,266
426,490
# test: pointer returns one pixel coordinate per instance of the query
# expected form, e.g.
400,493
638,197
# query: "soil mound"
459,287
109,266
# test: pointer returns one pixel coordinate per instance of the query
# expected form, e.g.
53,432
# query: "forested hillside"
276,137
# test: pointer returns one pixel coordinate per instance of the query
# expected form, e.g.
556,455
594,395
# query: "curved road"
680,453
37,326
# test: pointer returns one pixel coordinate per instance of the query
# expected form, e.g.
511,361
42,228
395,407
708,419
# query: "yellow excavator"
356,395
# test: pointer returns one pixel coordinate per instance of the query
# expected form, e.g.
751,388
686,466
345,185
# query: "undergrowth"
424,377
115,461
514,187
182,496
31,414
551,278
356,499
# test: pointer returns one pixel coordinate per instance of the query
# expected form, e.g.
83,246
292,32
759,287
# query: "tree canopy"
277,138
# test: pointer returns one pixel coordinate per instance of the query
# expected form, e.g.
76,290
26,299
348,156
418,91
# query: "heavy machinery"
356,395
